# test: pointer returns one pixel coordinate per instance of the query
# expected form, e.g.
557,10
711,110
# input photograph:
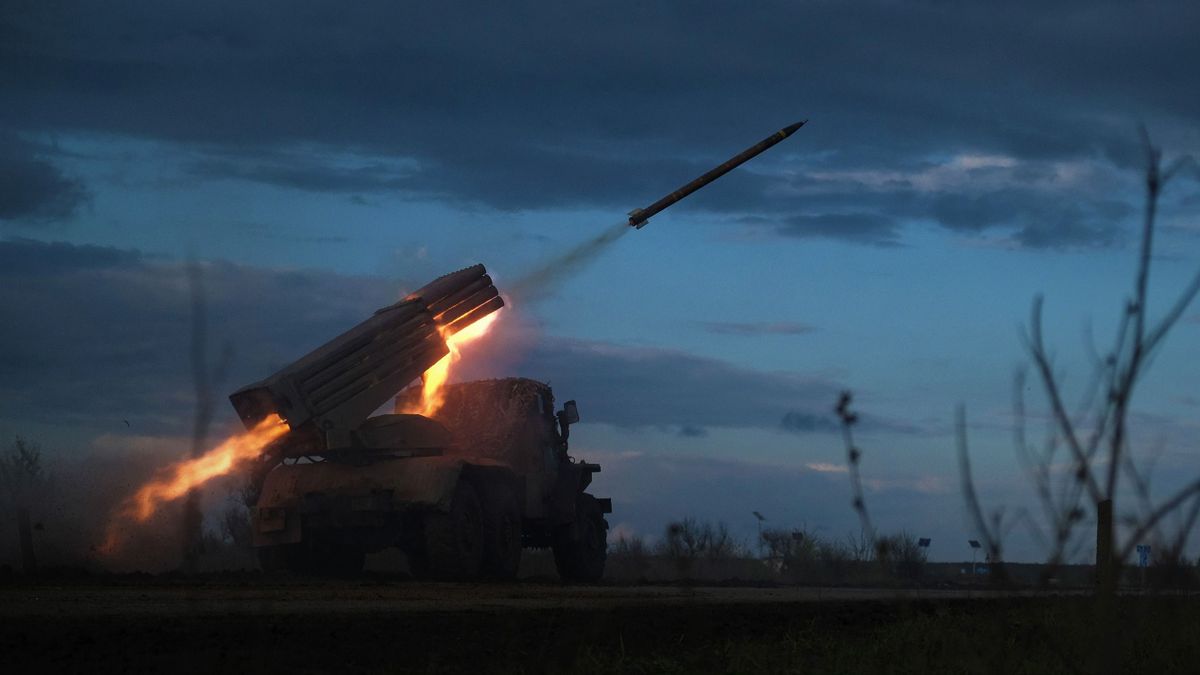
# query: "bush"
629,557
689,540
1172,570
901,556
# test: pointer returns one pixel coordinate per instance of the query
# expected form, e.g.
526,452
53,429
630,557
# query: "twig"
1038,352
1166,507
853,455
968,483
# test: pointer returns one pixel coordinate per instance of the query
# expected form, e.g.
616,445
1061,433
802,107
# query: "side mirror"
570,413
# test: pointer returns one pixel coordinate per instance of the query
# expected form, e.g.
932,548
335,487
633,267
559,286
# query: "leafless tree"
22,477
631,554
1093,439
689,540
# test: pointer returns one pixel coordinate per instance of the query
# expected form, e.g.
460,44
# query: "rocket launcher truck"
460,493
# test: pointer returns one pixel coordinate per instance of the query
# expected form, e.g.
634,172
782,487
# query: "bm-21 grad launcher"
326,396
460,493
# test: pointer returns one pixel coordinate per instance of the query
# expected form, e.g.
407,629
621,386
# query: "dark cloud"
1068,233
689,431
637,386
529,177
1021,203
32,189
304,175
1040,219
528,106
804,422
866,228
268,232
759,328
36,260
98,335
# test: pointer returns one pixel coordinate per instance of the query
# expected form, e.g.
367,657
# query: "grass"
1017,636
1013,635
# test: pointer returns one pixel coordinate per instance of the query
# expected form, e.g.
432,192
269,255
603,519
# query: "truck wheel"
501,533
454,540
581,549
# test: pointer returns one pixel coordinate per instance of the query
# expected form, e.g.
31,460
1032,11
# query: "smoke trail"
538,281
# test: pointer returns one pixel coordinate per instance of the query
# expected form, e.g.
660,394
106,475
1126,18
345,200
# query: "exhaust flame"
176,480
435,377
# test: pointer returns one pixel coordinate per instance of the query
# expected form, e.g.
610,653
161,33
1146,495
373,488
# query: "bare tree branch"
968,484
853,455
1173,315
1049,382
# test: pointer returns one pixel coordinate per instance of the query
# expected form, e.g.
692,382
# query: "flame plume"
176,480
432,396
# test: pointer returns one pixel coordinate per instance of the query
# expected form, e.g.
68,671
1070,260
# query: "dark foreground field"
136,624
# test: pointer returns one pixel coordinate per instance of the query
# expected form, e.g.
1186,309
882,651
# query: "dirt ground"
252,624
166,598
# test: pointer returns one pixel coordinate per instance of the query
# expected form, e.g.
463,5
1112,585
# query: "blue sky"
958,160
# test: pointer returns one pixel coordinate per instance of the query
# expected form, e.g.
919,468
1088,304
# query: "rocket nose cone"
791,128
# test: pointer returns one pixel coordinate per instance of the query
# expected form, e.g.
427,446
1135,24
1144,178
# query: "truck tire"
454,540
501,532
581,549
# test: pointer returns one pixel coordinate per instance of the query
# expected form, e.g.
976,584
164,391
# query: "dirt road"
160,598
250,624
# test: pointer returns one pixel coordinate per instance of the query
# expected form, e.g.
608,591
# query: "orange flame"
176,480
435,377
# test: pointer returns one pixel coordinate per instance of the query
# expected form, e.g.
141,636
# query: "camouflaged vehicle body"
492,432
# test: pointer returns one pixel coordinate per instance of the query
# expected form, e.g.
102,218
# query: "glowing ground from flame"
176,480
432,396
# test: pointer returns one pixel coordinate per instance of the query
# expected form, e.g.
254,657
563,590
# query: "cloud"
1040,219
865,228
99,335
517,107
638,386
305,174
826,467
802,422
757,328
32,189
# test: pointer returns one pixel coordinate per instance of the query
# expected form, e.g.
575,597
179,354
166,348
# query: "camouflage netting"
489,418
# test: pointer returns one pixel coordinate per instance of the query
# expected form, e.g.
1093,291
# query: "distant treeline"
696,550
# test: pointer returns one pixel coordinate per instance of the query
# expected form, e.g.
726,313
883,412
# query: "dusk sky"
322,158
